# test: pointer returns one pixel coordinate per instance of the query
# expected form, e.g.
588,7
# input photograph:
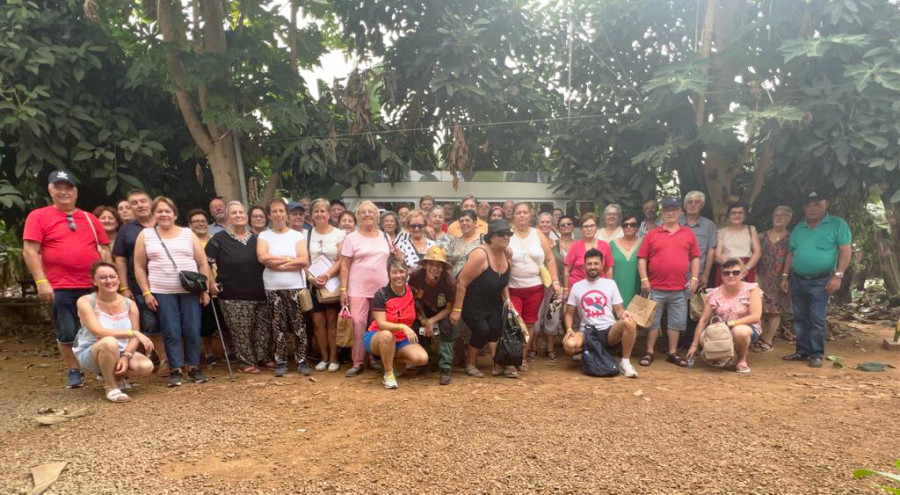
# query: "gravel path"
785,428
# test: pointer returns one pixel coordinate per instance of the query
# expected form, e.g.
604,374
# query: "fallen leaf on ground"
639,393
45,475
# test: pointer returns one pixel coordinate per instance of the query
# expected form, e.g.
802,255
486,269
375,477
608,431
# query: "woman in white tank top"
160,253
530,250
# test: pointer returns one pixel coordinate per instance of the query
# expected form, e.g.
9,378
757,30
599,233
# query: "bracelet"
556,282
122,289
785,275
569,329
128,355
457,310
131,334
695,278
343,289
145,293
41,281
645,279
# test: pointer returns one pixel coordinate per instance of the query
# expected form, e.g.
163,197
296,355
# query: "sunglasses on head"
731,273
629,225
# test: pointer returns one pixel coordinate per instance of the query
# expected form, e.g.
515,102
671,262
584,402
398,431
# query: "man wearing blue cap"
61,243
819,253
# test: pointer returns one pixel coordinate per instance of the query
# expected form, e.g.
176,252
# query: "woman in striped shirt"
157,275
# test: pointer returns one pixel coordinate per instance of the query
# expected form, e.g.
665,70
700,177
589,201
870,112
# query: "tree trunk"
889,243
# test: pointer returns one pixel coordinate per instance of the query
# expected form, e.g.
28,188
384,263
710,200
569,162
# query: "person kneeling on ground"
435,291
739,304
107,342
595,299
390,336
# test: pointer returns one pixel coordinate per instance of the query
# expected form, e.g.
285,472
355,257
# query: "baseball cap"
815,196
61,176
295,205
670,202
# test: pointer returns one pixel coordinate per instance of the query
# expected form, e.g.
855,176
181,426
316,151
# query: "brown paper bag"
344,328
643,310
698,301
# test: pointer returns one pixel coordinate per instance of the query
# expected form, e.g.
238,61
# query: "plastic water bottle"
690,362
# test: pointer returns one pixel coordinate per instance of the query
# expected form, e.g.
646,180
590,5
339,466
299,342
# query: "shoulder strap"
94,301
155,229
308,239
93,229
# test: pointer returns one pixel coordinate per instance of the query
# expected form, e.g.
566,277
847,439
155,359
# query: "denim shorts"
677,304
86,361
367,342
65,313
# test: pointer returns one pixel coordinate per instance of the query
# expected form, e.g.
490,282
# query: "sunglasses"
416,226
505,233
630,225
569,224
71,220
731,273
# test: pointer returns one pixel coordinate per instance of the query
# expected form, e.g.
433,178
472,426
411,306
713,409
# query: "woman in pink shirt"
574,269
364,258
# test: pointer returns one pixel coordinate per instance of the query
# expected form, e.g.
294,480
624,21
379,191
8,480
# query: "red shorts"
527,302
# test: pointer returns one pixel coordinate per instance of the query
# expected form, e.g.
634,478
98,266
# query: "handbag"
304,297
698,301
344,328
323,295
193,282
643,310
510,346
595,359
546,279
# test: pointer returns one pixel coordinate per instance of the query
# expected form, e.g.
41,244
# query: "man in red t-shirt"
667,253
61,244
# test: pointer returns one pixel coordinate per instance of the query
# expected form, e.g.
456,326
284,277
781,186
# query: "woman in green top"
624,251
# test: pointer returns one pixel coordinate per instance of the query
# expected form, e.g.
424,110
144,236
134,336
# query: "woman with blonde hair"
364,254
416,244
325,241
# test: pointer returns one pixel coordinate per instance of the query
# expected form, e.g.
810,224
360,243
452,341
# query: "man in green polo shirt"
818,254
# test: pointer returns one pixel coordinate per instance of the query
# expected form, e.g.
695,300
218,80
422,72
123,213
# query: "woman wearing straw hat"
435,290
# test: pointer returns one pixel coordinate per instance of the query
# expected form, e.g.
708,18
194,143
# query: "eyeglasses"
630,225
106,278
731,273
71,220
589,226
416,226
568,224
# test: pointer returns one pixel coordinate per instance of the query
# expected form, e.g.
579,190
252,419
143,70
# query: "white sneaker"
332,367
389,381
627,369
322,365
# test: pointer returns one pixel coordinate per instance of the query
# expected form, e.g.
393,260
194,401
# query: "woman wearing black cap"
481,290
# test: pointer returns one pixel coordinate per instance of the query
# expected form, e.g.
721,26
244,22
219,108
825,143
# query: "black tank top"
483,293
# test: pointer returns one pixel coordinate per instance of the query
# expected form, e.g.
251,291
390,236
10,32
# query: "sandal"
676,359
551,356
268,365
742,368
253,370
116,395
510,372
763,346
524,366
471,370
646,359
532,355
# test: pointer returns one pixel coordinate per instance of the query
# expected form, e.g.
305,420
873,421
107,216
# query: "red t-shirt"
66,256
575,260
669,256
397,309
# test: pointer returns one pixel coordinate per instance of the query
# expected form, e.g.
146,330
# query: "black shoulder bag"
193,282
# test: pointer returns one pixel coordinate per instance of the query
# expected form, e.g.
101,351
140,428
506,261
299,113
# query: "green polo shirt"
815,251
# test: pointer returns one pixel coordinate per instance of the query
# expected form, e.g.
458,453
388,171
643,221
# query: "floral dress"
769,270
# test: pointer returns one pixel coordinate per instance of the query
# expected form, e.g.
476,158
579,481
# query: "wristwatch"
839,274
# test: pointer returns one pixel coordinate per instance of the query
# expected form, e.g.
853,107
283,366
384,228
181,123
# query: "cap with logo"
670,202
815,196
61,176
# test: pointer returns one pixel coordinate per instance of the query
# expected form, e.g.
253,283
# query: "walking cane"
221,337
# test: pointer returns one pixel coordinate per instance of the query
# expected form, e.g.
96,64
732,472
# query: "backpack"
718,343
595,359
510,346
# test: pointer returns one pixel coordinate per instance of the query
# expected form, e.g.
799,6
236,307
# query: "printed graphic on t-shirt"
594,303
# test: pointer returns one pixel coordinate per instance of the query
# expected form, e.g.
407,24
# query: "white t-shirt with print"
594,302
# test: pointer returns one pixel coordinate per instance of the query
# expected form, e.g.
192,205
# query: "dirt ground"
784,428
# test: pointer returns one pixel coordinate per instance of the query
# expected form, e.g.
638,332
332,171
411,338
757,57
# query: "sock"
626,360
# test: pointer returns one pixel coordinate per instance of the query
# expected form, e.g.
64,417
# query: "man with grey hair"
706,233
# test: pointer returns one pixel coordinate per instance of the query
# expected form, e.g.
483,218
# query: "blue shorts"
86,361
65,313
367,342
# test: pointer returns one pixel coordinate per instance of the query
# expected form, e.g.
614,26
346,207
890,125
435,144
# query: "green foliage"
893,477
63,103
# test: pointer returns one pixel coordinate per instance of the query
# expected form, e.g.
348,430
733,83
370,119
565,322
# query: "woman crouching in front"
107,342
390,336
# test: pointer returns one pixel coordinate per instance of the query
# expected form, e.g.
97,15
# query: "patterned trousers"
251,329
287,318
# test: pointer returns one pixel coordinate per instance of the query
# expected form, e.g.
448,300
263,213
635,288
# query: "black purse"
510,347
193,282
596,360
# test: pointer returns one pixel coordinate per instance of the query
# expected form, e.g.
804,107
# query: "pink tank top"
163,276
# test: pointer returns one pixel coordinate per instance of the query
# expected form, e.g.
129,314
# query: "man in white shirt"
595,298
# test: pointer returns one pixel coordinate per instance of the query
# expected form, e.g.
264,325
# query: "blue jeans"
65,314
810,302
179,319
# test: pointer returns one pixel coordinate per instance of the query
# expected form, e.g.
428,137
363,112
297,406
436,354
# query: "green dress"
625,272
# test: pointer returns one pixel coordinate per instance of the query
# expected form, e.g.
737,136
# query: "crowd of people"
423,286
